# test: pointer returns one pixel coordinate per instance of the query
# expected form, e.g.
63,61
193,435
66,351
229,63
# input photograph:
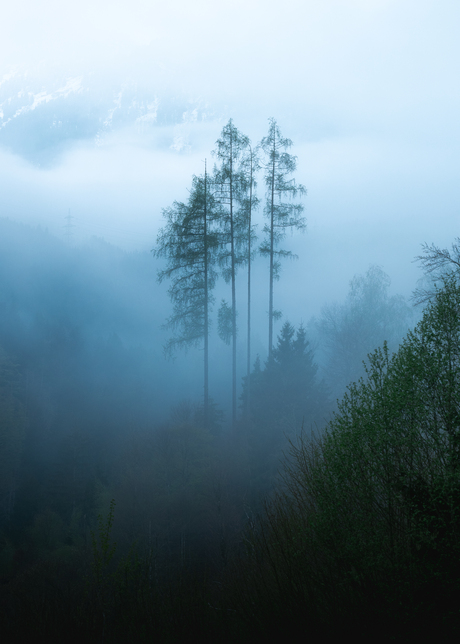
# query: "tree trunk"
248,366
272,224
232,242
206,309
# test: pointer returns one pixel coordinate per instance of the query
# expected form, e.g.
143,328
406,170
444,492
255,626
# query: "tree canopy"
281,212
285,396
189,245
372,509
349,331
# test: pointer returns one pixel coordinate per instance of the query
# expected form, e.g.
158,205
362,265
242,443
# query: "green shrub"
367,526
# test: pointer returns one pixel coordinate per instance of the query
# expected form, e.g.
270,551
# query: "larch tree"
281,214
189,244
229,185
250,203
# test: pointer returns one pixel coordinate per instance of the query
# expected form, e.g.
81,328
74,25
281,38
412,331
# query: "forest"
310,492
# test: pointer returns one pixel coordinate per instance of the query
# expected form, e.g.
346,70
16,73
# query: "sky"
367,90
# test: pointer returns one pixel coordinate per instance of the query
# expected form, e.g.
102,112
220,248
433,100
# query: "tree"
368,522
230,184
248,202
286,393
349,331
281,215
285,396
189,244
250,165
436,263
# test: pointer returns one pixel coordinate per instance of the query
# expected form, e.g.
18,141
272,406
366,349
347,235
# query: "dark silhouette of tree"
250,203
371,509
436,263
285,396
230,186
189,244
281,215
349,331
286,392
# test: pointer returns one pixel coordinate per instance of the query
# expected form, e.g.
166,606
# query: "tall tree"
229,188
250,165
281,214
349,331
189,244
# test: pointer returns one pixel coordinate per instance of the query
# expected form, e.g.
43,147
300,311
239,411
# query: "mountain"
39,120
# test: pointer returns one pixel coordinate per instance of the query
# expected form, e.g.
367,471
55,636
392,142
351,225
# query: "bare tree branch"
437,264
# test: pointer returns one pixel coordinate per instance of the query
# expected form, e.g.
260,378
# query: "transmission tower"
68,228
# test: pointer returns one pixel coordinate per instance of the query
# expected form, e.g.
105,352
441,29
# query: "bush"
366,529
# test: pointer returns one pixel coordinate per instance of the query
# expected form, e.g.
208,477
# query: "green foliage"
248,201
232,180
224,322
366,531
233,188
396,433
282,215
189,245
231,183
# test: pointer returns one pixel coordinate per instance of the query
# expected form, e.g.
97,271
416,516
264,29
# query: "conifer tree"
250,203
286,396
281,214
230,185
189,244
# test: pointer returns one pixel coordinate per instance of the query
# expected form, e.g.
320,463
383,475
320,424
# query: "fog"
107,111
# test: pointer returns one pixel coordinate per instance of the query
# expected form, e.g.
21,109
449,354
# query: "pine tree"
286,396
281,214
189,244
287,391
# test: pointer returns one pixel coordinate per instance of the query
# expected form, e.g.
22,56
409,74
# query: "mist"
107,113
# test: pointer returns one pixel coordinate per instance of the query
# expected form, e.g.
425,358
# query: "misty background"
106,113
